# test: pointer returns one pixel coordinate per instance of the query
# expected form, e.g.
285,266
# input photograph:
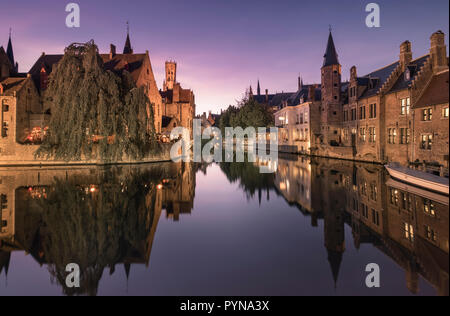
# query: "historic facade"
386,115
178,103
139,66
298,125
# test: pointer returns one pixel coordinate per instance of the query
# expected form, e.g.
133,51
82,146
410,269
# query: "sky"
224,46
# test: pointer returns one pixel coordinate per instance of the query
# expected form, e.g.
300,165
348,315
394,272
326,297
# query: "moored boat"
418,178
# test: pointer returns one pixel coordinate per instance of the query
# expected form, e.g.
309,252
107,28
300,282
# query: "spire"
258,90
127,49
335,259
9,50
251,90
300,83
330,57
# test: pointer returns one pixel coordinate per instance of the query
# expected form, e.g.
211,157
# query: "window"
445,112
392,135
365,212
394,197
428,207
372,135
409,232
405,105
353,114
426,141
405,135
362,134
5,107
375,217
5,129
406,201
430,233
345,116
362,113
427,114
372,111
373,191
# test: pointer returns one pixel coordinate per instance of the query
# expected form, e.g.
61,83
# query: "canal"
310,228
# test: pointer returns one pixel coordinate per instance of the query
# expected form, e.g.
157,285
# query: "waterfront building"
138,65
397,113
298,125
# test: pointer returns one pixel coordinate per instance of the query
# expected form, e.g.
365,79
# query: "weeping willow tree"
97,229
95,113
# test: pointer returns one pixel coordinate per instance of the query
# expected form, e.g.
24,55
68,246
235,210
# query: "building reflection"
96,217
407,224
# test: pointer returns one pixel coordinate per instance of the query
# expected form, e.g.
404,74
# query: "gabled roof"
380,76
131,62
331,56
436,92
413,68
12,84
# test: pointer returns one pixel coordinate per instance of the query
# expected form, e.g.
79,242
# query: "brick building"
178,104
139,66
398,112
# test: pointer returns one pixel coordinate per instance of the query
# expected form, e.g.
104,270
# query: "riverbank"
23,155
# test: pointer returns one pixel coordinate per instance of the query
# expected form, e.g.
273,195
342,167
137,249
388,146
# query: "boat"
418,178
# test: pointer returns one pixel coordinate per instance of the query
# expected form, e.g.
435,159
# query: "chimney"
405,54
267,96
438,51
312,93
112,51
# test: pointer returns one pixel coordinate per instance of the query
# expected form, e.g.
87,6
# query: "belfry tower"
331,110
171,75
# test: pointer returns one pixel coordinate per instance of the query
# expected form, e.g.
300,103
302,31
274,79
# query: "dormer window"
407,75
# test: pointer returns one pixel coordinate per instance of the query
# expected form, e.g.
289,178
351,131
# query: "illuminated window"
430,233
445,112
427,114
409,232
426,141
428,207
405,105
372,135
392,133
362,134
405,136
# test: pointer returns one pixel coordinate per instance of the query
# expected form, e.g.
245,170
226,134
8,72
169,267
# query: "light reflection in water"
104,217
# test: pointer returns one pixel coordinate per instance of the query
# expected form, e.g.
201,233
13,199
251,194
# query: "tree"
248,113
95,113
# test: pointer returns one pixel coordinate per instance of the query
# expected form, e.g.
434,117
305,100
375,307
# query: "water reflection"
101,218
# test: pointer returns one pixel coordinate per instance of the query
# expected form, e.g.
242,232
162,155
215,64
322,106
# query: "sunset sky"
223,46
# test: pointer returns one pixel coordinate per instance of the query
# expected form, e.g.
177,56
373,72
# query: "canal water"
310,228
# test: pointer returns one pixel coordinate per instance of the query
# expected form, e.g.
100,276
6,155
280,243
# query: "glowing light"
159,186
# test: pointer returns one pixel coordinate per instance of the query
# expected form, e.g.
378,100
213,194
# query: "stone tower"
331,110
171,75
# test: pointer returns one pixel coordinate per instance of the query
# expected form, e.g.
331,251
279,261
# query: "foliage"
95,113
248,113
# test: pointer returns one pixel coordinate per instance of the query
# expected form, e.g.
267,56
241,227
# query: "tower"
171,75
127,48
258,89
331,111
